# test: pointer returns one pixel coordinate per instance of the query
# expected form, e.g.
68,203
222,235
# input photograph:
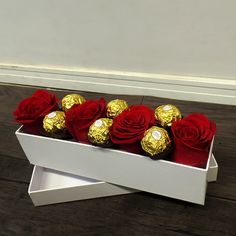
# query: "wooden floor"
132,214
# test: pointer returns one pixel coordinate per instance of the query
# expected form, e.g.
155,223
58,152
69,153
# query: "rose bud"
80,117
31,111
192,137
128,128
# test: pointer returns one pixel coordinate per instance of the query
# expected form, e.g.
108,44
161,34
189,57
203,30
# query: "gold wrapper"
69,100
115,107
99,132
54,122
155,141
167,114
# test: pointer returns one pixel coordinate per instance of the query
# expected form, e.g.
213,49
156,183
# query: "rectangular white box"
49,186
126,169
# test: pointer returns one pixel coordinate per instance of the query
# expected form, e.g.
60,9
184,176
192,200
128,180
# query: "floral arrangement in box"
162,133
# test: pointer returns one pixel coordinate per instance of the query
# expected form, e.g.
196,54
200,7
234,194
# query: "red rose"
31,111
192,138
81,116
128,128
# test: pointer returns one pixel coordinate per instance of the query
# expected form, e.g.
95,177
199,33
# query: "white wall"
183,37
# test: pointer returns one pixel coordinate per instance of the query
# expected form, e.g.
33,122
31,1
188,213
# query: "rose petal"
34,108
130,125
81,116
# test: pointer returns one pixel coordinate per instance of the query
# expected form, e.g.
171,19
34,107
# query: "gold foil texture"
71,99
99,132
115,107
155,141
167,114
54,122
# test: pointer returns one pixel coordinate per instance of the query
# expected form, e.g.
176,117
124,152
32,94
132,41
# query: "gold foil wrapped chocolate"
115,107
54,122
167,114
156,142
71,99
99,132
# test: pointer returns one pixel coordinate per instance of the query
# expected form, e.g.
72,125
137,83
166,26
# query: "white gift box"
49,186
121,168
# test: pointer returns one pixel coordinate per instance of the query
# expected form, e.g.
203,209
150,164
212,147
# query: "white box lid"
49,186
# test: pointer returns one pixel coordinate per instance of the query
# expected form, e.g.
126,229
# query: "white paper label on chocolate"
167,107
98,123
52,114
156,135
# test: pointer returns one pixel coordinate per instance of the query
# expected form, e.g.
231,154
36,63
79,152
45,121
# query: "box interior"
213,164
47,179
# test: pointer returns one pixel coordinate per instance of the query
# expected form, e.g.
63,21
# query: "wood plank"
15,169
150,215
9,144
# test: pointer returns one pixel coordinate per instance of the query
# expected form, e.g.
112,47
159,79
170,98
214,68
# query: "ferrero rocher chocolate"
156,142
115,107
167,114
71,99
99,132
54,122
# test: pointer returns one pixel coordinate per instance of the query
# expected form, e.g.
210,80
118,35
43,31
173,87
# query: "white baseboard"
211,90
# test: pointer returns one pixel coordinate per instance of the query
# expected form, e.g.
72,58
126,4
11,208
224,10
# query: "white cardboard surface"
117,167
213,170
49,186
